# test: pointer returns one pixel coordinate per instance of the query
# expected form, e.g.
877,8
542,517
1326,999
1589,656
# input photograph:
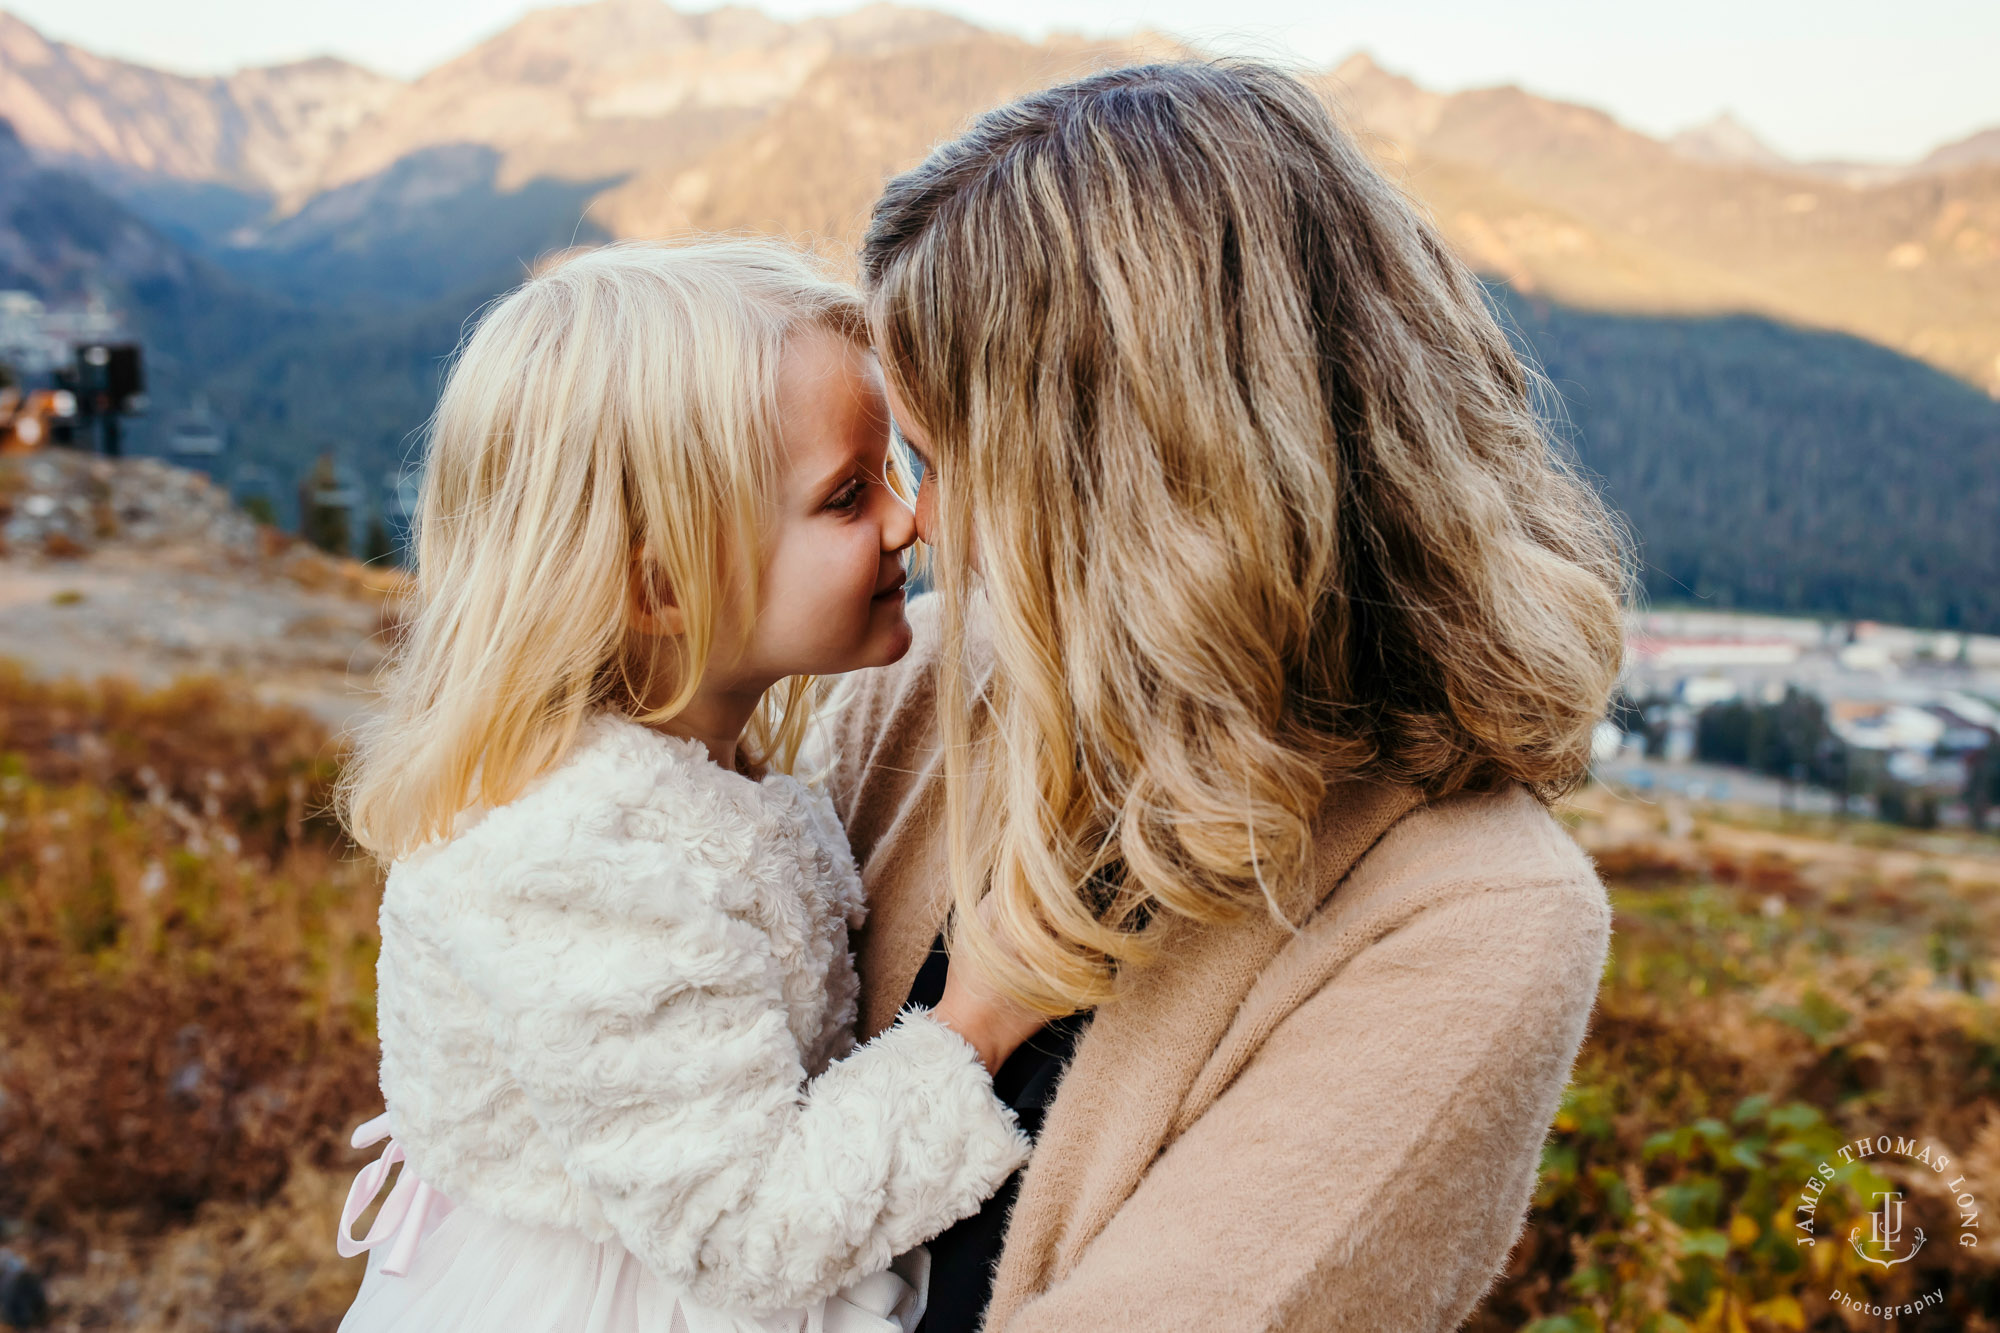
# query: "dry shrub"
392,621
1641,862
1763,871
263,1267
186,1033
1744,1032
316,571
274,542
219,764
1921,1057
186,954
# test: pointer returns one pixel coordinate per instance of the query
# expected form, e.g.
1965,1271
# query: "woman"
1266,628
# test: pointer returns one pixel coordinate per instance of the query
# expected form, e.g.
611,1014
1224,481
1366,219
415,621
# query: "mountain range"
337,227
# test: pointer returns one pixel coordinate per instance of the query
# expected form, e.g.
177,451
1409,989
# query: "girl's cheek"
847,565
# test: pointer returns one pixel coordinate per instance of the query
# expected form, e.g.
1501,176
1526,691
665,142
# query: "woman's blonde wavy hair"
620,407
1255,489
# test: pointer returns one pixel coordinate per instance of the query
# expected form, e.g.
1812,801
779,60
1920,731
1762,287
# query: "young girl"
616,1000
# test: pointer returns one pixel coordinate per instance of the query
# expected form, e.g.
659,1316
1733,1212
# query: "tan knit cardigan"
1334,1129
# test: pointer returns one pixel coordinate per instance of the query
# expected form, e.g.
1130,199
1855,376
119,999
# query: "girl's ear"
650,599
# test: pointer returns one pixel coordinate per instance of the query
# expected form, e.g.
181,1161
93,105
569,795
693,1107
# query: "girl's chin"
885,639
893,636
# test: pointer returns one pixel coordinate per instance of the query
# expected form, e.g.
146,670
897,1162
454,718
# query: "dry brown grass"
248,1267
186,1012
1772,993
186,1035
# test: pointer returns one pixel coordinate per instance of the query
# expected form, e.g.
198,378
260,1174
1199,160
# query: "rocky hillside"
324,178
573,92
812,167
268,130
615,87
138,569
1978,149
66,240
1563,201
1679,292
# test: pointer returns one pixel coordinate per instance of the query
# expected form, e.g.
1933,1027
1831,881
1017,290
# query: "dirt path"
137,568
154,615
1609,818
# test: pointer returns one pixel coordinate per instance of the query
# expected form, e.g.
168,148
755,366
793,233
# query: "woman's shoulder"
1497,847
1508,830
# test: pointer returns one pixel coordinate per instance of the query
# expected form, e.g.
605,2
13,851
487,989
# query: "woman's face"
920,445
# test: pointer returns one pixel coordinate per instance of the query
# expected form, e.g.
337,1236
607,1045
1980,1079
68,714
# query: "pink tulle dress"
434,1267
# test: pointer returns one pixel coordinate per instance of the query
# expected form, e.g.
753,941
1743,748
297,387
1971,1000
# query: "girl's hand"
973,1007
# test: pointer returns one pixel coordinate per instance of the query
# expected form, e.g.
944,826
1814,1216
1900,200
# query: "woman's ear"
650,599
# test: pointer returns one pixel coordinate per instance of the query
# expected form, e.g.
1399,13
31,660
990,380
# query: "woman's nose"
899,524
924,514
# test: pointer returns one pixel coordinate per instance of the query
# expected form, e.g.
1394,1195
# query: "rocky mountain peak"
1725,139
1980,149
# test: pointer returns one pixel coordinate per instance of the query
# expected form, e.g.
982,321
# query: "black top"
962,1258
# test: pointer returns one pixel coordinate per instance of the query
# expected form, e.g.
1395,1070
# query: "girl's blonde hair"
1258,496
614,415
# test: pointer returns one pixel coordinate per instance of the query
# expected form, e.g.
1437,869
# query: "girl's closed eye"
847,496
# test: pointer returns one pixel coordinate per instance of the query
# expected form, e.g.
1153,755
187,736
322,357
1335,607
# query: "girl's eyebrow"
836,478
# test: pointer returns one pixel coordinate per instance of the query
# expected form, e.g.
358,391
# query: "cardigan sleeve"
1352,1176
656,1055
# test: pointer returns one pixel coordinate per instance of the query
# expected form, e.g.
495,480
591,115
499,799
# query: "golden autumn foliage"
1772,995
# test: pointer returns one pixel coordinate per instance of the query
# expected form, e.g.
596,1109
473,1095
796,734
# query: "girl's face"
832,583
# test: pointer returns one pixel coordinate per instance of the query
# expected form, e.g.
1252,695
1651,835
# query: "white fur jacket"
623,1004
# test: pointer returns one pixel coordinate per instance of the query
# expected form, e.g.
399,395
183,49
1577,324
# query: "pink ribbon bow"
401,1221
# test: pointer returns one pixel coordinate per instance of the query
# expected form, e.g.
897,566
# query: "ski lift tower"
329,499
108,380
196,437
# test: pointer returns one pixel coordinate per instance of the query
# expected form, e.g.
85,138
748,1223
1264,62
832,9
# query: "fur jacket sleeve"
614,1005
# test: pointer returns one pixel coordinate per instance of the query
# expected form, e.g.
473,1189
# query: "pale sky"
1857,79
